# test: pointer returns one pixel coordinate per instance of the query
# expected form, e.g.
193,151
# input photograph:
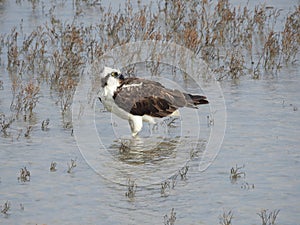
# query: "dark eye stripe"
104,81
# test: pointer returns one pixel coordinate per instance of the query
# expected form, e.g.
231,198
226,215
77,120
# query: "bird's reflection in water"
137,151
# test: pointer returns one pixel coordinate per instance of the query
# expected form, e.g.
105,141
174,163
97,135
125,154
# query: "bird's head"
111,80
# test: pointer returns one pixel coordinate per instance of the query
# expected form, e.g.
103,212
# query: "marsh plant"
226,218
183,172
194,154
238,176
53,166
168,185
170,220
28,130
268,218
196,150
131,188
210,120
71,165
45,124
5,208
237,173
25,100
124,146
24,175
5,124
173,180
165,188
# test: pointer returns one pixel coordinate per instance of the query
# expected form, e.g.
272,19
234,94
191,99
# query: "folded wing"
145,97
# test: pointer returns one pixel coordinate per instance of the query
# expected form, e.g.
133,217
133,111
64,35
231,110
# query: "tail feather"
197,99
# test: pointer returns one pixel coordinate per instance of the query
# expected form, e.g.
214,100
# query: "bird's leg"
152,128
136,125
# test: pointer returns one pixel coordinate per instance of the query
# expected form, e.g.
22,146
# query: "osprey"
137,100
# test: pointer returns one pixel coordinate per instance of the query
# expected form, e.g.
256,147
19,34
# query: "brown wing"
145,97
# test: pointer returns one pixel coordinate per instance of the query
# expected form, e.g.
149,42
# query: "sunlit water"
263,129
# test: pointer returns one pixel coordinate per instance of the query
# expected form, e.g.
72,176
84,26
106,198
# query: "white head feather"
108,70
112,82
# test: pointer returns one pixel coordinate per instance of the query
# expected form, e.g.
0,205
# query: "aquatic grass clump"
124,146
71,165
53,166
131,189
236,173
170,220
210,120
183,172
45,124
226,218
194,153
28,130
167,185
5,123
65,88
290,36
5,208
25,100
268,218
24,175
165,188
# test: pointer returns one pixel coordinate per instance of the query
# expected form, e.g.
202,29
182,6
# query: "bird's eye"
114,74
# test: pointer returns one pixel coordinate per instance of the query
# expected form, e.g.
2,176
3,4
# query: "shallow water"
262,133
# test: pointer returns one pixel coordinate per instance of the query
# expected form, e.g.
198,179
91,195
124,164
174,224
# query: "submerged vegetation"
5,208
236,173
170,220
268,218
71,166
24,175
226,218
53,166
131,186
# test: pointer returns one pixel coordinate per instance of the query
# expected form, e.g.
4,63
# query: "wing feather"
146,97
